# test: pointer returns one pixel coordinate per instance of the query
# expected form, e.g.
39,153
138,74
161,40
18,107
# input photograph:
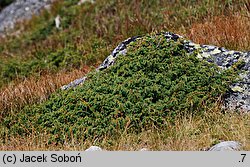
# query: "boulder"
226,146
20,10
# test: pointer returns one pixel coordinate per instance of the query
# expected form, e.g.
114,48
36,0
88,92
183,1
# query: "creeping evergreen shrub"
154,82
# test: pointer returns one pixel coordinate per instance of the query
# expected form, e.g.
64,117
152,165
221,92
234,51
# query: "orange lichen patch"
231,32
33,90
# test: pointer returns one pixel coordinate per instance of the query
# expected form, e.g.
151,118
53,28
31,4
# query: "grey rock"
20,10
226,146
74,83
94,148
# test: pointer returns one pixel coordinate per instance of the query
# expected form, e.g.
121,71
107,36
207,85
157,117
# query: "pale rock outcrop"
20,10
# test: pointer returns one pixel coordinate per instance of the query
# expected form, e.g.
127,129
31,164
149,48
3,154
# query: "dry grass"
32,90
226,31
192,133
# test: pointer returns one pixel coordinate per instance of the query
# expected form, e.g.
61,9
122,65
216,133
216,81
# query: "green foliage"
66,58
153,83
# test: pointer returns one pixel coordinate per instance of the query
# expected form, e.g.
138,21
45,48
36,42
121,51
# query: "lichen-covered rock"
238,98
20,10
74,83
226,146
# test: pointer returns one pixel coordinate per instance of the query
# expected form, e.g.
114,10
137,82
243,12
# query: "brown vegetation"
32,90
231,32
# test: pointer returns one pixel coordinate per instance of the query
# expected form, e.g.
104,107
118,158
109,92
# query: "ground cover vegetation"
88,33
154,82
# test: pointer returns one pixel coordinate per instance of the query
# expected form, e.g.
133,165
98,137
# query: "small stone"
226,146
27,8
94,148
84,1
144,149
58,21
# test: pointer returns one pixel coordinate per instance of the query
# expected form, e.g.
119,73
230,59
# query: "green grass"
66,58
